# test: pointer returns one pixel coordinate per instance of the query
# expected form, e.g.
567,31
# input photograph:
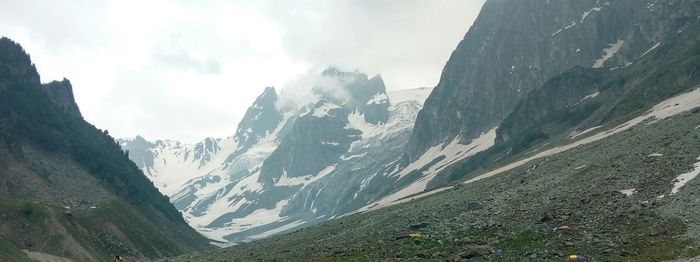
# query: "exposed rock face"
260,120
315,141
322,134
513,48
366,95
516,48
61,92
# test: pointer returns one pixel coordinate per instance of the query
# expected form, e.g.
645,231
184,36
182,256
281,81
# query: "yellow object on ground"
416,234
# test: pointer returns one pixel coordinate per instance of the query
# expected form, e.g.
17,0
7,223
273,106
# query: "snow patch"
591,96
417,94
357,121
683,179
346,158
322,110
378,98
608,53
303,180
585,14
557,32
576,134
656,155
452,153
565,28
628,192
257,218
650,49
278,230
670,107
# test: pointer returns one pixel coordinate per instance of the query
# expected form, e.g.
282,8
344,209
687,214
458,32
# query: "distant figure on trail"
118,259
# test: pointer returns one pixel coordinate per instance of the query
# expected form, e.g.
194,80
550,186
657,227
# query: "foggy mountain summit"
281,154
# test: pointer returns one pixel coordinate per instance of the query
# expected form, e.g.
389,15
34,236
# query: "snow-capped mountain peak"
284,169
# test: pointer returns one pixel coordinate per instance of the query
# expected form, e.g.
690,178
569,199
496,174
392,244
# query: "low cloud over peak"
188,70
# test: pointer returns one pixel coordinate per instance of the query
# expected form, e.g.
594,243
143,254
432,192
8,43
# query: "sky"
187,70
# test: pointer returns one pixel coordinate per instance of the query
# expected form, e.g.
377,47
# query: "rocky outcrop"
260,120
61,92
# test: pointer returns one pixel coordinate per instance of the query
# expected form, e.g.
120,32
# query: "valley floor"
608,200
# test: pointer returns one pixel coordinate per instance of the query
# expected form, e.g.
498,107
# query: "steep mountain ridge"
488,73
616,50
67,189
584,99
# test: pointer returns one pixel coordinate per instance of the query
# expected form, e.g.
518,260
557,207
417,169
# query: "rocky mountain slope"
515,47
564,126
656,60
288,167
66,188
623,198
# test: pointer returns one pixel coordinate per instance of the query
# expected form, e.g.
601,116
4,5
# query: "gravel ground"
570,203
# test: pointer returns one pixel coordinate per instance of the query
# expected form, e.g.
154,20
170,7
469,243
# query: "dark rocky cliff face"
61,92
650,56
320,135
366,95
512,48
261,119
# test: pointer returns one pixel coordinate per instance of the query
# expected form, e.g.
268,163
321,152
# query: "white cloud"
189,69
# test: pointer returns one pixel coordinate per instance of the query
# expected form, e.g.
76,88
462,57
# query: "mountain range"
288,166
558,130
572,68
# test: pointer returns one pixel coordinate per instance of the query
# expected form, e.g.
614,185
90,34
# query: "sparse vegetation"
516,212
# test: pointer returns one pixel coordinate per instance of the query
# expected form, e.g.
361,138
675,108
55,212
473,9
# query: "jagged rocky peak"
17,70
204,150
61,93
366,95
261,119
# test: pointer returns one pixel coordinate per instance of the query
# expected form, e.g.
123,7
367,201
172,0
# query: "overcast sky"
189,69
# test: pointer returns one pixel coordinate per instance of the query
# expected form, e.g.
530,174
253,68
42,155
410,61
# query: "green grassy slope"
66,187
